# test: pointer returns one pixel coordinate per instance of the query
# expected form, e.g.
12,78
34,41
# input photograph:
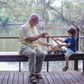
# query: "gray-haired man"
29,46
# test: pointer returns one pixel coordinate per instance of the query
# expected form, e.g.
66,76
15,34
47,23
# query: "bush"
4,21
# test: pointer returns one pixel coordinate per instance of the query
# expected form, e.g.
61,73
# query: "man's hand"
43,34
34,38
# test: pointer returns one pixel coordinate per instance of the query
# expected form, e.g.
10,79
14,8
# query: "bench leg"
83,66
47,66
19,66
75,64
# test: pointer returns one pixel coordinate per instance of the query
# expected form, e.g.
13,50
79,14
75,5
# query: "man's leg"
39,59
32,58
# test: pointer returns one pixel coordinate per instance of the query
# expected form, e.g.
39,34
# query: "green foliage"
19,11
4,21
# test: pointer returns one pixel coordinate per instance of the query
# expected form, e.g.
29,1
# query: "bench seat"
15,57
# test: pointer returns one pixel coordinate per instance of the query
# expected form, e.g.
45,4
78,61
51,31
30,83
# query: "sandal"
38,76
32,78
65,68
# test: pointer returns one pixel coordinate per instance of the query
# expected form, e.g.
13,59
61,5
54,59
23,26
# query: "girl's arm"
60,40
64,45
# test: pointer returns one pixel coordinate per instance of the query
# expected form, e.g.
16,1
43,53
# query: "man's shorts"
69,52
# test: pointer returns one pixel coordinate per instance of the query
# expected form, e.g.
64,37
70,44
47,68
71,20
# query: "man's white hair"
34,15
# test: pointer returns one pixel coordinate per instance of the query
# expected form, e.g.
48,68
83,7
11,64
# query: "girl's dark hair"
73,32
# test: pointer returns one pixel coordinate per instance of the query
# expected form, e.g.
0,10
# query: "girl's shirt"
72,41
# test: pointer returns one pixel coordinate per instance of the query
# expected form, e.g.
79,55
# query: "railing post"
77,40
47,61
77,48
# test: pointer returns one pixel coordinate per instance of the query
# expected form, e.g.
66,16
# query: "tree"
76,18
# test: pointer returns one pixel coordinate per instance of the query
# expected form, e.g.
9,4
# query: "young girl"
70,45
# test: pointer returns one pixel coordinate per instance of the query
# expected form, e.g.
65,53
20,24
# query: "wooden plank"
16,78
9,37
54,78
25,77
43,37
79,74
77,77
66,75
44,79
40,81
6,77
62,77
58,78
15,57
49,78
2,74
20,77
11,77
72,77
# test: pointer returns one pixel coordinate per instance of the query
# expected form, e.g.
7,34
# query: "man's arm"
34,38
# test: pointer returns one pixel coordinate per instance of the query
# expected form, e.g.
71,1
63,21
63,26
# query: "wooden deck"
59,77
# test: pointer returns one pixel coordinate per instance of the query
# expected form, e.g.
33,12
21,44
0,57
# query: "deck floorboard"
58,77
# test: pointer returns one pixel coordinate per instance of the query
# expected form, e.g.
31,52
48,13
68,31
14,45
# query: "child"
70,45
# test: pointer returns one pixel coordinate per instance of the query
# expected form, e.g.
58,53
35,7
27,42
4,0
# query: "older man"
29,46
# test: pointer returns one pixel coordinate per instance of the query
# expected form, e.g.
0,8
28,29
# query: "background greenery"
52,12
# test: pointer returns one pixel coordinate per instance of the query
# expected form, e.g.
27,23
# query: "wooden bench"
16,57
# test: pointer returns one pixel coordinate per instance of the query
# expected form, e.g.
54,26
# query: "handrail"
81,37
9,37
43,37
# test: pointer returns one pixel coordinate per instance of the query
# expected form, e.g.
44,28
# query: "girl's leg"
67,61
